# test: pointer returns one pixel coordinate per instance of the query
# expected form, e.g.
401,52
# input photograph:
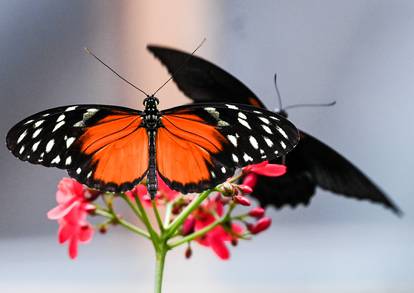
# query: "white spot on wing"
265,120
50,145
21,150
235,158
68,161
60,118
57,126
21,136
242,115
69,141
232,107
253,142
28,121
35,145
89,174
283,144
213,175
78,171
56,160
38,123
282,132
268,141
71,108
244,123
223,170
232,139
36,133
247,158
267,129
92,110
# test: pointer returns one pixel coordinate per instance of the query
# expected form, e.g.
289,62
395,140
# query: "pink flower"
217,237
263,169
73,207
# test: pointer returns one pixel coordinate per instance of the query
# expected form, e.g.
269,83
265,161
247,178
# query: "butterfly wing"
201,145
104,147
311,164
203,81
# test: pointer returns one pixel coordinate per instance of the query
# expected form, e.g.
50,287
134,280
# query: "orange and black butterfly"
192,147
311,164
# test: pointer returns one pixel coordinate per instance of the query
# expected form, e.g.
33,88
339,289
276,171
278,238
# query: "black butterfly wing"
201,145
311,164
92,142
203,81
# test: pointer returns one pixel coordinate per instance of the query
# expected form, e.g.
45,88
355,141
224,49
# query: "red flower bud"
240,199
246,188
260,225
257,212
103,229
188,226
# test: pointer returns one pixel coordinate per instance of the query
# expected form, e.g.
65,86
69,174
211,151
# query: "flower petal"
73,247
271,170
61,210
219,247
85,233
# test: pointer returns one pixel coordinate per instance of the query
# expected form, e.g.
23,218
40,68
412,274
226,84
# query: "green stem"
125,224
157,215
154,236
131,205
197,234
185,213
159,267
206,229
167,216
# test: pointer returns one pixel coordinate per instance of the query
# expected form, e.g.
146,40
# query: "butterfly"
191,147
310,165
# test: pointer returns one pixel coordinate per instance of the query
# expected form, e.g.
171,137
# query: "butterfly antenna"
311,105
180,67
278,93
113,71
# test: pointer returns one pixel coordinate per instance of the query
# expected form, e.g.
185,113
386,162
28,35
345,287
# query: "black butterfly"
312,163
192,147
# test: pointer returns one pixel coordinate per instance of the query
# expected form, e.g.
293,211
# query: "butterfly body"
310,165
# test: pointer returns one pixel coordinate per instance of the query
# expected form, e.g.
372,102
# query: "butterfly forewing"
209,141
104,147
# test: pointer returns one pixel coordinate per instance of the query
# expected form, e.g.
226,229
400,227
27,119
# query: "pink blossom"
262,169
216,238
73,207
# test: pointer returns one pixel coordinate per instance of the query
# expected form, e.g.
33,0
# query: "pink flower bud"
245,188
257,212
260,225
188,226
240,199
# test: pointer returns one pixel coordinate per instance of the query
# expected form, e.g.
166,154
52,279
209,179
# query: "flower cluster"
73,207
212,223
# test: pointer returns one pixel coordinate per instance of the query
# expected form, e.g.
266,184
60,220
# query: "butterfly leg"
152,184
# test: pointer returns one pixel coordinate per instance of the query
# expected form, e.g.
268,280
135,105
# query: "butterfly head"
151,102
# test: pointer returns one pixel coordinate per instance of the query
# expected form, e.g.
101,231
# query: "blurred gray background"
360,53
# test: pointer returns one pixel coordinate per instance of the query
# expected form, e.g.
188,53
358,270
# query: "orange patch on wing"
254,102
119,148
184,148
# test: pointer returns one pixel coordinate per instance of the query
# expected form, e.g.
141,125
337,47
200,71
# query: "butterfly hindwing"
101,146
209,141
203,81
